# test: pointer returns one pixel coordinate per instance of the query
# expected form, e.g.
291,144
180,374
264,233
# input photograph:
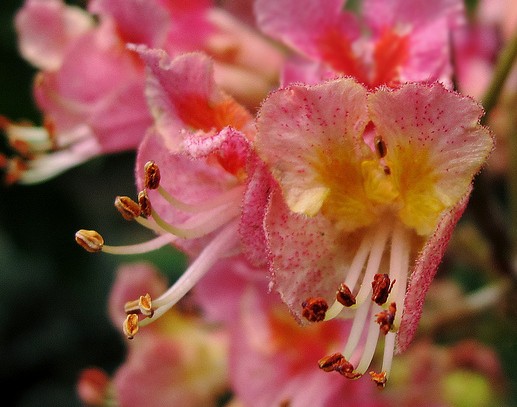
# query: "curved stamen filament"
232,195
353,274
200,225
369,347
374,261
145,247
357,329
215,250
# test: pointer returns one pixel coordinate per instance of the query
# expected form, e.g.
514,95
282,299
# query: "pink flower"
405,40
193,169
179,361
273,360
90,87
370,186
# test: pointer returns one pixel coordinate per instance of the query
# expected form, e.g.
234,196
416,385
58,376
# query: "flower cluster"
310,159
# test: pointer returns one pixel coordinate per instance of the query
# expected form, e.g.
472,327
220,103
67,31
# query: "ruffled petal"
435,133
311,138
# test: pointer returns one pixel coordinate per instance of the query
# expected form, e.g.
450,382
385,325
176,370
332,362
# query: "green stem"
502,70
485,208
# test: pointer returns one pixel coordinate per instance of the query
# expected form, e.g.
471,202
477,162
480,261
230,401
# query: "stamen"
314,309
389,349
201,225
353,274
337,362
331,362
381,288
385,318
369,348
152,175
130,326
380,147
128,208
379,378
219,247
344,296
89,240
144,203
374,260
357,328
141,306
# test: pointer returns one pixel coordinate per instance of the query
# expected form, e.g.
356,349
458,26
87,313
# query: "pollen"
386,318
381,288
344,296
380,379
314,309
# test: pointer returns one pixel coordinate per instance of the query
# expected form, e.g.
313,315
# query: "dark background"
53,294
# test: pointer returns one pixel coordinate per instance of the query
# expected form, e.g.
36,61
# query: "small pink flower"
370,186
180,361
394,41
202,187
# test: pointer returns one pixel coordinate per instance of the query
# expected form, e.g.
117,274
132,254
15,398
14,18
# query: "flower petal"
311,137
437,134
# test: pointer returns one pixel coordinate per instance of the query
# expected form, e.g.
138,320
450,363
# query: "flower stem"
503,68
486,210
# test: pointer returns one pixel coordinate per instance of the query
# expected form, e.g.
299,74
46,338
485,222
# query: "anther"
314,309
337,362
130,326
386,318
141,306
380,379
128,208
380,146
344,296
381,288
331,362
152,175
89,240
144,203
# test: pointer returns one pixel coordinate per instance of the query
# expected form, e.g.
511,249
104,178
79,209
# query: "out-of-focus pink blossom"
393,41
179,361
202,187
90,87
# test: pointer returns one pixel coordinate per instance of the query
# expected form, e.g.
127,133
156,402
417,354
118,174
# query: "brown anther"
314,309
331,362
386,318
141,306
89,240
381,288
144,203
130,326
387,170
344,296
146,306
128,208
152,175
380,146
379,379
